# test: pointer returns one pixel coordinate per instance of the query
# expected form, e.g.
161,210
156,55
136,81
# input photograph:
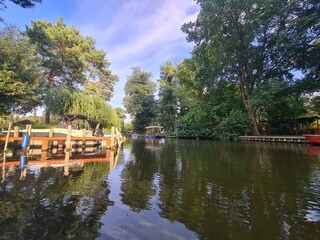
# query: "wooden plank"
58,138
274,137
291,139
6,139
55,161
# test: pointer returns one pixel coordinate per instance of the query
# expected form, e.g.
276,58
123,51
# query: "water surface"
170,189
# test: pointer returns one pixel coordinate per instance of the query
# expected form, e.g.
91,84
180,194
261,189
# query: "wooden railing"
61,140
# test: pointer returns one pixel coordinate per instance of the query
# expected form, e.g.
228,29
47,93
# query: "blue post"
23,161
25,141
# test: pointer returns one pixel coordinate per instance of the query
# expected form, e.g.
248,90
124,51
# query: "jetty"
282,139
53,143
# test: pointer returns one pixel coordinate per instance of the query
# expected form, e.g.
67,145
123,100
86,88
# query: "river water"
170,189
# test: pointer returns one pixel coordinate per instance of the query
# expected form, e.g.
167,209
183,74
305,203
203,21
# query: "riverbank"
285,139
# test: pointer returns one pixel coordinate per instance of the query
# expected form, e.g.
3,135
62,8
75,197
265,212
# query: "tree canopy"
139,98
168,101
62,100
71,60
20,73
252,43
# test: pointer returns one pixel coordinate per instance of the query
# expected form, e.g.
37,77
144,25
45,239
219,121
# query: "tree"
122,115
249,43
315,105
308,63
62,100
281,114
139,98
20,74
71,60
189,87
168,102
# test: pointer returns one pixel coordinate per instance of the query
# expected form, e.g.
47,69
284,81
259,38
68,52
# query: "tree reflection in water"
226,190
49,205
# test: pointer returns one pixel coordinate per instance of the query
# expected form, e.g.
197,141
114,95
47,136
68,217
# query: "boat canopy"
308,124
69,117
150,127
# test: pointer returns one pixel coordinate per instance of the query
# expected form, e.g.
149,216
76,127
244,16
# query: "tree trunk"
253,118
47,117
246,92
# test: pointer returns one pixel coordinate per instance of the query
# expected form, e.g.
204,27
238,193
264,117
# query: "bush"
234,125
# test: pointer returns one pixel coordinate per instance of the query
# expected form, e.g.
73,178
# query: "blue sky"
144,33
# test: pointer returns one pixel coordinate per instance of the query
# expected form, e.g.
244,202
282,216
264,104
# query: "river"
170,189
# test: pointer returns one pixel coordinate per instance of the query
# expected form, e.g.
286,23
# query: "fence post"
15,142
112,136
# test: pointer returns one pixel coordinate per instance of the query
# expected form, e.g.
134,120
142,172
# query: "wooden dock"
282,139
48,143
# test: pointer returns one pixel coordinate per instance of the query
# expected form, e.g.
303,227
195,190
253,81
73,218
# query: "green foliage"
168,102
220,115
62,100
20,74
188,88
249,43
99,80
94,108
200,121
139,98
4,120
128,127
78,79
276,107
267,92
58,100
280,114
203,121
138,89
235,124
120,112
315,105
71,60
310,67
285,107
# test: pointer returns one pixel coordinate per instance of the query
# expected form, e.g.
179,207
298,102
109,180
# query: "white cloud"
133,29
144,33
154,31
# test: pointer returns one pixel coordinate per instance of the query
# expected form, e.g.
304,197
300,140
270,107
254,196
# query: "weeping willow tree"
63,100
94,108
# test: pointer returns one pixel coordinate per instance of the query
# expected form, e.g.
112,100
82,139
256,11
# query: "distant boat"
312,138
153,132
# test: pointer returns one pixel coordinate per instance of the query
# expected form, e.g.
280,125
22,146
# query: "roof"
71,117
153,127
308,117
26,121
